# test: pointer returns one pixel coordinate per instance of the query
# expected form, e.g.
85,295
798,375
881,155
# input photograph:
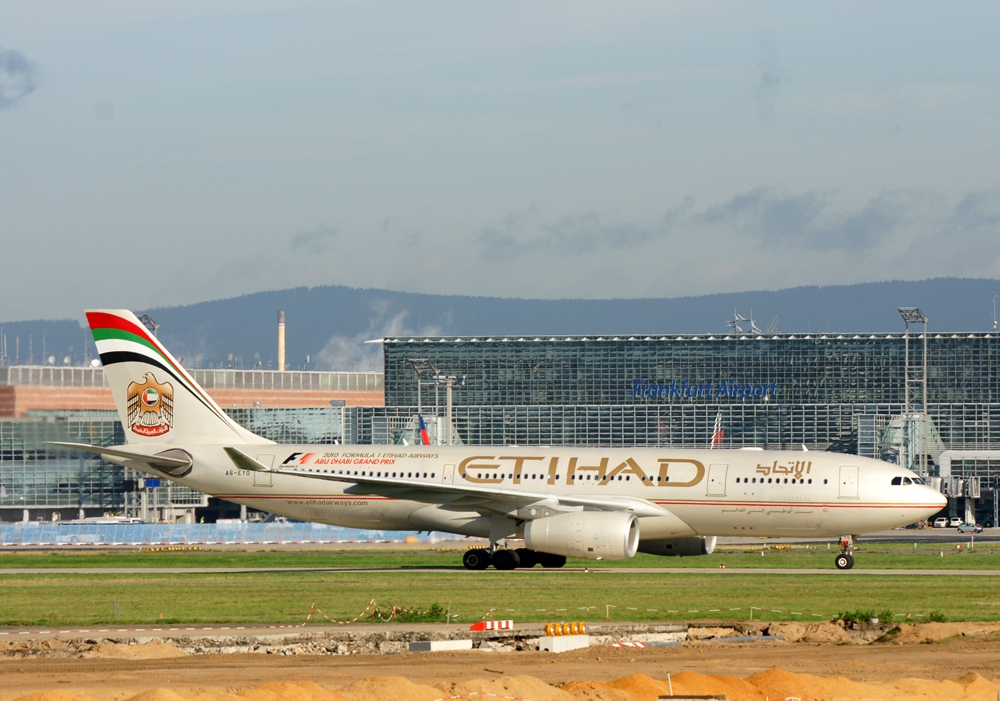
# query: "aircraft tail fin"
425,437
157,399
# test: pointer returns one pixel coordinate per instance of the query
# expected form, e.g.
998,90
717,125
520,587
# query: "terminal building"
930,401
39,404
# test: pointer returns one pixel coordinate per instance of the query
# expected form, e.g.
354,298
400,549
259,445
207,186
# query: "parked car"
941,522
970,528
955,522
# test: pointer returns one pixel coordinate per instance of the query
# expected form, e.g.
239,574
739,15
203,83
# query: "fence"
186,534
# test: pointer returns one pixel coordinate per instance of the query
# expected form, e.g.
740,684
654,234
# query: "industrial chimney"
281,340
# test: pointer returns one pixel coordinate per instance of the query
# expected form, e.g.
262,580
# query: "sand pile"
641,688
289,691
383,688
703,685
594,691
772,683
930,632
521,687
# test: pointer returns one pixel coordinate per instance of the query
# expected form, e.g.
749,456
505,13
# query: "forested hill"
329,324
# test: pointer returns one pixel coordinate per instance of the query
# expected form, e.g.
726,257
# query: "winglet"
244,461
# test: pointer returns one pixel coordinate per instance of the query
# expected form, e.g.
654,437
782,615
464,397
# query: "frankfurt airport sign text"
686,389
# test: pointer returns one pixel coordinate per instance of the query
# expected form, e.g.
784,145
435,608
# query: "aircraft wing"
473,497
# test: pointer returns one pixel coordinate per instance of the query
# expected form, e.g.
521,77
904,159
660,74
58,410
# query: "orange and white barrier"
492,625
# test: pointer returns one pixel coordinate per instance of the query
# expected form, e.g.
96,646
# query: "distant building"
26,388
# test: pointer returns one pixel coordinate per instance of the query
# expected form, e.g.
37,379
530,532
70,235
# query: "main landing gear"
504,559
845,560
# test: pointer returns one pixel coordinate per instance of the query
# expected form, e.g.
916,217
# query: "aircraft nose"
936,498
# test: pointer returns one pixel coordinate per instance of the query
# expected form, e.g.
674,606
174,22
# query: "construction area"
623,662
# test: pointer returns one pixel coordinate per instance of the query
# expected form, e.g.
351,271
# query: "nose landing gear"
845,560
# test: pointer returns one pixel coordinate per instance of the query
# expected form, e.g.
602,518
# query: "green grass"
83,599
986,556
286,597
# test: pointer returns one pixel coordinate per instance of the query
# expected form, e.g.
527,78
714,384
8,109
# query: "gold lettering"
665,464
573,468
519,465
553,467
629,466
465,469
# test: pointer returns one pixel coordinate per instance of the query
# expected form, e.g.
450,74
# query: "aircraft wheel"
550,561
527,558
506,559
845,562
476,559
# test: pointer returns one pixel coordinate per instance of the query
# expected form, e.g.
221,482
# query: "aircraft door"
263,479
717,480
848,481
448,474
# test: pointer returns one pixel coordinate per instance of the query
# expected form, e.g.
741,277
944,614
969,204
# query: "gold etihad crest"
150,406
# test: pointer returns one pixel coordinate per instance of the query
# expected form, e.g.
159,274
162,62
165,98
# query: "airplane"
591,503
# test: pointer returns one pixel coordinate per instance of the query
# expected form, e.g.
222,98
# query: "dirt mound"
975,684
642,688
824,632
147,651
594,691
924,688
521,687
930,632
288,691
706,685
778,683
384,688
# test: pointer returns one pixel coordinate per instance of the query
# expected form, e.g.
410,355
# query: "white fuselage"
703,492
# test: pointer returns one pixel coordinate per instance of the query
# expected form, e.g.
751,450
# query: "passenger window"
897,480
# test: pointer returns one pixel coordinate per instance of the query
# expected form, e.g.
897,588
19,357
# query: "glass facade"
35,476
778,391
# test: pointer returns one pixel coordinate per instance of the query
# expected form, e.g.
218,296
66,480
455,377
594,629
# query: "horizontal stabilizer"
174,462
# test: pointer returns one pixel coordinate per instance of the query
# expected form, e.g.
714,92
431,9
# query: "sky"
155,154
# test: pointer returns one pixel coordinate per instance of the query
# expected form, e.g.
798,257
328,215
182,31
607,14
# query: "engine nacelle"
592,535
679,547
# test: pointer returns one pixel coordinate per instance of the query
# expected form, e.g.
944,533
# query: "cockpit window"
897,480
917,480
907,480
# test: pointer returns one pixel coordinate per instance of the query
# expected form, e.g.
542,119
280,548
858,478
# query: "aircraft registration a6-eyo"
594,503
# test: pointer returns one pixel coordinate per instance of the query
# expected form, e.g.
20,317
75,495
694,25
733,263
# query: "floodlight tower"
914,394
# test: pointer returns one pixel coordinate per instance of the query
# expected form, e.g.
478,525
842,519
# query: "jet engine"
679,547
592,535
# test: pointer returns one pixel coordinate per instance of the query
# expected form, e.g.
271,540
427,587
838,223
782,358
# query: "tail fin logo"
150,406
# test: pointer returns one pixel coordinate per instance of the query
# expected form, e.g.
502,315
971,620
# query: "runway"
152,571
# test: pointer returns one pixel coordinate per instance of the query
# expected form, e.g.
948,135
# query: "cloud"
966,240
18,77
317,240
522,233
352,352
808,221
